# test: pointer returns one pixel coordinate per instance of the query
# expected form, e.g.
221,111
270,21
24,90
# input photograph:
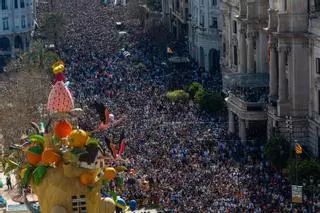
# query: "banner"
296,194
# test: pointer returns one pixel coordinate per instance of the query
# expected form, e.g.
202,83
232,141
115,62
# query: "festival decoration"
78,138
62,129
110,173
68,162
133,205
60,99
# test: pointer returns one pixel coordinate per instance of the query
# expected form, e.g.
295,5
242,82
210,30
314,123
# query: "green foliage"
304,169
26,176
178,96
36,150
277,151
199,95
193,88
53,26
154,5
210,102
39,173
39,55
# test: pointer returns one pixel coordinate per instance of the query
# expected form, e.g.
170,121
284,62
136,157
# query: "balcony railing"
245,105
249,80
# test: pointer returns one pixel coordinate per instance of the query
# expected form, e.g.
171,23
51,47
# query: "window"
235,27
319,102
285,5
4,5
177,4
214,22
5,23
21,3
23,21
16,4
79,204
235,55
214,2
318,66
317,7
29,21
202,20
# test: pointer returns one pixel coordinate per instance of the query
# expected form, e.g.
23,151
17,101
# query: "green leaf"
55,140
39,173
93,141
36,150
90,188
78,151
113,195
27,175
36,138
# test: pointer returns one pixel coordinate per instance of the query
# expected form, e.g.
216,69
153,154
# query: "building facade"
176,13
204,33
16,25
244,65
314,77
289,70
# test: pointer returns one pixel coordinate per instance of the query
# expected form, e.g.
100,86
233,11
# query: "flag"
111,147
299,149
169,50
122,143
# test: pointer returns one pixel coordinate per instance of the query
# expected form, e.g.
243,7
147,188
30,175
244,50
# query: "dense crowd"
187,159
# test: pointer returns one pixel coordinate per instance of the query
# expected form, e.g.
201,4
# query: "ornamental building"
204,33
16,25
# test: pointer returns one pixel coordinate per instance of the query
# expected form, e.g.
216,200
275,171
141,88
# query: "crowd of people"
188,160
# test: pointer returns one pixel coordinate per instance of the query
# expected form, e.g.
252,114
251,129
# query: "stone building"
313,62
289,69
204,33
176,14
244,65
16,26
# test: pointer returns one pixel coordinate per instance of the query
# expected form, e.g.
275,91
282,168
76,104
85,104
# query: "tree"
53,27
154,5
39,54
277,151
210,102
193,88
304,169
178,96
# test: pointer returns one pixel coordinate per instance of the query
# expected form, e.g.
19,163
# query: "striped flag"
299,149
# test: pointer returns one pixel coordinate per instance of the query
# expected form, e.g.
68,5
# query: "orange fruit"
87,178
78,138
62,129
109,173
33,158
49,156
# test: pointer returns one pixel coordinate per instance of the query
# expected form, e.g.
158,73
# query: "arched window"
16,5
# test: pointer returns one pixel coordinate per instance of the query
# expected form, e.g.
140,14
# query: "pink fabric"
60,99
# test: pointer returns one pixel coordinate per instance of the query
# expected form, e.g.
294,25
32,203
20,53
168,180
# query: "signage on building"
296,194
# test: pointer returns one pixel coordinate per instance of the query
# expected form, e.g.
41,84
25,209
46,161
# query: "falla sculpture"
65,166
